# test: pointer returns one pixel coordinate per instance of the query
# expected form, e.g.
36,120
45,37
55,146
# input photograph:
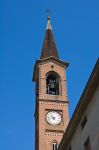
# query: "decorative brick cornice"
49,102
55,101
54,133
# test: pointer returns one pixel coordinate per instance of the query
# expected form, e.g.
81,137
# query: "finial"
48,23
48,18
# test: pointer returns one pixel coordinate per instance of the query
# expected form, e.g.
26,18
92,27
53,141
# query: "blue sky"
22,26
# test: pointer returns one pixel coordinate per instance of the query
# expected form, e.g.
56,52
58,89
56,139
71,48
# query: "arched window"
55,147
52,84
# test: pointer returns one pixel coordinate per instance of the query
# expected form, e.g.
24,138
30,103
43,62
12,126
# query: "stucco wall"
91,128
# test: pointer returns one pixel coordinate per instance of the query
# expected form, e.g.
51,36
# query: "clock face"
53,117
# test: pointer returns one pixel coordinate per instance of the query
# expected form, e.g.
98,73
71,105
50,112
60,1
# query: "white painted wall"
91,128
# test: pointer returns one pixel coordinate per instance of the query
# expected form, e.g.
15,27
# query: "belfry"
51,113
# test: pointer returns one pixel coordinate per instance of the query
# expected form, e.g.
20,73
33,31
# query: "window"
54,146
52,84
69,148
83,123
87,145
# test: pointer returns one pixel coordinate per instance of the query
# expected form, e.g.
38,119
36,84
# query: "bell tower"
51,113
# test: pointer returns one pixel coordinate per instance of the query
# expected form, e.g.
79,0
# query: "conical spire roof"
49,47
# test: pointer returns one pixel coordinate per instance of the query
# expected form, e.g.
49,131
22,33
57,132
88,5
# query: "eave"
41,61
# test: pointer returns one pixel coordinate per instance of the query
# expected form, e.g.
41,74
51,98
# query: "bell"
52,89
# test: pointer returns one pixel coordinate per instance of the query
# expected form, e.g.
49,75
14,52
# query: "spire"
48,24
49,47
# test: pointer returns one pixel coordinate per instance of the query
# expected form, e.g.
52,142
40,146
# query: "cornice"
42,61
53,101
55,131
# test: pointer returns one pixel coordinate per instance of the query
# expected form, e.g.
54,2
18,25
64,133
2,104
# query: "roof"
49,46
40,61
82,105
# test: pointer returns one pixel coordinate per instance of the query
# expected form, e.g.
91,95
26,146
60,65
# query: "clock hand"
52,117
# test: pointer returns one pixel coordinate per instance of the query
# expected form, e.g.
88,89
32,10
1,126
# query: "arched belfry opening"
52,83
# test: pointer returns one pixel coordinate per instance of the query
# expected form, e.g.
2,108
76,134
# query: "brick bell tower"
51,113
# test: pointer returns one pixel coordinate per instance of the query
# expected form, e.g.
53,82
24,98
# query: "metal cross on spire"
48,12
